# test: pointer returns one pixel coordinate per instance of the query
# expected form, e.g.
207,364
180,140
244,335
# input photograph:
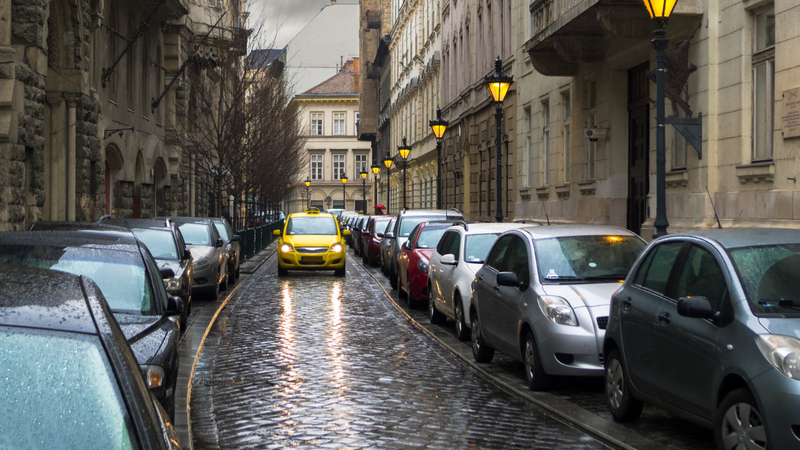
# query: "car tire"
740,406
434,315
282,272
534,372
621,402
462,329
340,272
392,278
480,350
400,292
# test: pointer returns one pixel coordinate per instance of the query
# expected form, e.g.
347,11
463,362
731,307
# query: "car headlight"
783,352
153,376
201,264
422,265
336,248
558,310
173,284
287,248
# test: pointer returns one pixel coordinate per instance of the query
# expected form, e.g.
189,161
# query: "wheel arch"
524,328
729,383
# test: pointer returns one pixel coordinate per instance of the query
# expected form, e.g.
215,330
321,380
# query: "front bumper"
568,350
205,279
778,397
311,261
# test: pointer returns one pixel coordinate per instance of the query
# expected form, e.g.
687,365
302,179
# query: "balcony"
373,20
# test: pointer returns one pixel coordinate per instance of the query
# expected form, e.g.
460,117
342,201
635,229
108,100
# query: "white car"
453,264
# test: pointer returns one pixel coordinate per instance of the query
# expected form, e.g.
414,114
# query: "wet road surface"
315,361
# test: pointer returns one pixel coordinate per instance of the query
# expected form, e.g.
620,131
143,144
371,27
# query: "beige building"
330,112
584,65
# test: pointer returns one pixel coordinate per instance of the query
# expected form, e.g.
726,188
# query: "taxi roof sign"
312,211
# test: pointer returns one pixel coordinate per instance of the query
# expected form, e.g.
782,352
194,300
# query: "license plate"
311,259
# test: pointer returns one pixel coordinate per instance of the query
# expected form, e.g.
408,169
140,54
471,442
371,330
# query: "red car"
413,260
371,239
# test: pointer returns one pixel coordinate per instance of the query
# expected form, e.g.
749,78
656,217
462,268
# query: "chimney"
356,66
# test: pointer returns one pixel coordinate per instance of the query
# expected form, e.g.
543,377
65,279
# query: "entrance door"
638,146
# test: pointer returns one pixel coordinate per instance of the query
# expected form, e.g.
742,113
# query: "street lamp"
375,169
344,191
438,126
498,85
388,161
364,188
308,199
404,151
659,11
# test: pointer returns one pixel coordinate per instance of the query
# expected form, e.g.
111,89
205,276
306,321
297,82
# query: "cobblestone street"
315,361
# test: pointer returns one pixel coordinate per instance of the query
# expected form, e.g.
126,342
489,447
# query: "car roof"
549,231
136,223
184,219
75,226
122,240
33,297
747,237
487,227
304,214
430,212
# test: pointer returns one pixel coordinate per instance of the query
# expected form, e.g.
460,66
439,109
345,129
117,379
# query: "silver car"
386,246
232,246
707,327
209,253
543,295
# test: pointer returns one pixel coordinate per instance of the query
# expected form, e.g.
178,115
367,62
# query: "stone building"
329,113
585,66
80,135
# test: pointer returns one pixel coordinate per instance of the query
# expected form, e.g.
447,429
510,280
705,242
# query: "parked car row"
705,325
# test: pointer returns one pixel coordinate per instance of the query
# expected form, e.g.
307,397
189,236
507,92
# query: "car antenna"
714,208
544,207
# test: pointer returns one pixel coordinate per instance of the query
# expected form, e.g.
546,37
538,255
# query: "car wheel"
480,351
184,318
534,372
621,403
224,285
462,330
434,315
392,278
738,424
282,272
238,272
340,272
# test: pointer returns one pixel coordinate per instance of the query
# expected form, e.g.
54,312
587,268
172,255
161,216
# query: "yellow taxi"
311,241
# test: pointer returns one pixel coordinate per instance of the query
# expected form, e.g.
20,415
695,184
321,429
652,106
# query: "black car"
131,283
165,242
64,361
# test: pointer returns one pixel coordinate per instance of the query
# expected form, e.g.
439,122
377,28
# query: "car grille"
602,322
311,249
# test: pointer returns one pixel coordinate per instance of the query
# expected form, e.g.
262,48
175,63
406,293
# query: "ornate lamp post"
308,199
404,151
660,11
344,191
388,163
439,126
498,85
375,169
364,188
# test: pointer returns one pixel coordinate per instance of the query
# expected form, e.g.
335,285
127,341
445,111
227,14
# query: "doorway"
638,146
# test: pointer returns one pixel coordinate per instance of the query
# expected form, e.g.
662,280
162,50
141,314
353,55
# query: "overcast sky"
282,19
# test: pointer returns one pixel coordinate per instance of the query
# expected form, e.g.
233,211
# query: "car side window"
654,273
443,246
517,259
455,246
701,276
497,255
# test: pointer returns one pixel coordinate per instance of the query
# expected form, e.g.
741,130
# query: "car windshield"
429,237
60,392
223,232
769,277
319,225
477,247
586,258
408,223
120,275
160,243
195,234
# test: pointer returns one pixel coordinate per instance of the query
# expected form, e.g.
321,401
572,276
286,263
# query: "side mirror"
388,235
346,233
174,306
448,259
166,273
187,254
380,235
697,307
236,238
276,232
510,279
406,245
220,243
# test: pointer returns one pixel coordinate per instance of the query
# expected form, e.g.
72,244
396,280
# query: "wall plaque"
791,113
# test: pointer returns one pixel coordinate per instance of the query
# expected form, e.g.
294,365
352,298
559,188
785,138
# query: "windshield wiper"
611,276
783,303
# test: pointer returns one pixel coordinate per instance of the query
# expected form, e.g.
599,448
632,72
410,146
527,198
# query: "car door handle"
496,287
664,318
626,303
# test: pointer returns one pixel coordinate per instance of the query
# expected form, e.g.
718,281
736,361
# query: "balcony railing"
373,20
545,12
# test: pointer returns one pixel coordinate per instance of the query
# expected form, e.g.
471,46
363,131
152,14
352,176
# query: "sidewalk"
204,312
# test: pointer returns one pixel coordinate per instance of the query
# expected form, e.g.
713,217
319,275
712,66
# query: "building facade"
330,113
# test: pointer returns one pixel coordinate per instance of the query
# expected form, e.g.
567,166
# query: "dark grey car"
707,327
232,246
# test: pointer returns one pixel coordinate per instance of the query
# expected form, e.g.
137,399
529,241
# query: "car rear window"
120,275
195,233
160,243
307,225
60,392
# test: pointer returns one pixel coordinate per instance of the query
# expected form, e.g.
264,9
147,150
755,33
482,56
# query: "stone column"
54,100
72,105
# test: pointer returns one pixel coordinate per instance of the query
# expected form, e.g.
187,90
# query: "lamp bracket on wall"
108,133
691,128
